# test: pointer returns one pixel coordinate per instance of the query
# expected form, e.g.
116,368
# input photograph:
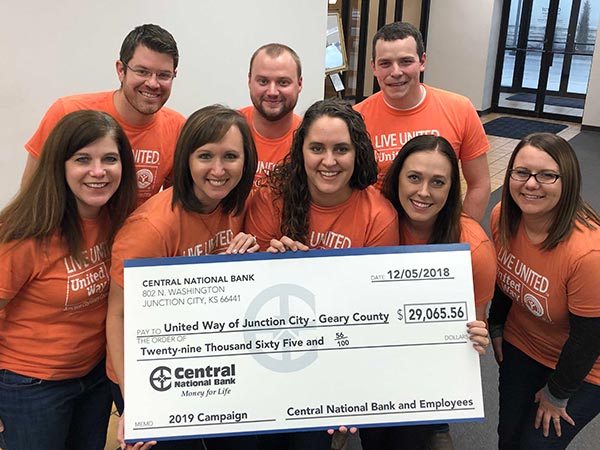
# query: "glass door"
545,57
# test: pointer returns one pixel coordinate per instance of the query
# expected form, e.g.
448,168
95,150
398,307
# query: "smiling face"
142,95
397,67
93,174
536,200
423,186
217,168
329,156
274,85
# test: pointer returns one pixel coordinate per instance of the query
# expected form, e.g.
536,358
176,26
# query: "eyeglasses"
162,77
541,177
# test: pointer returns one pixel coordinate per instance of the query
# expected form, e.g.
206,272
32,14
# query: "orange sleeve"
16,267
475,142
53,115
483,259
386,231
137,239
582,291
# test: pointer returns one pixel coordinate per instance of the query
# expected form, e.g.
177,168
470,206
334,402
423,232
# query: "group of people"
117,175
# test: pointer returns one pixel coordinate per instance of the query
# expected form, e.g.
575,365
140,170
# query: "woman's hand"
548,413
242,243
284,244
478,334
121,438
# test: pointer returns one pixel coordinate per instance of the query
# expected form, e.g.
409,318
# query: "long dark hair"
46,203
289,180
207,125
570,209
446,228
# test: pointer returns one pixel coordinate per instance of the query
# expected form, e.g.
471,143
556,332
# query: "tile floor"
498,156
501,149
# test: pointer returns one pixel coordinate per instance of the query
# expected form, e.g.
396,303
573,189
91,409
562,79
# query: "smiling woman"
202,214
548,243
322,197
54,252
323,186
93,174
423,184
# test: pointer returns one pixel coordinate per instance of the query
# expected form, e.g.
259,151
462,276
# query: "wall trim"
590,128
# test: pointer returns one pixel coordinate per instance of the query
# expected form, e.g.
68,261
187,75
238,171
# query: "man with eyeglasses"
146,68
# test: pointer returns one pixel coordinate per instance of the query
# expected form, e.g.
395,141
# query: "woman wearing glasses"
545,315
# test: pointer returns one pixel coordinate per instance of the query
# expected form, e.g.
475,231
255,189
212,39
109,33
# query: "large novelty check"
250,344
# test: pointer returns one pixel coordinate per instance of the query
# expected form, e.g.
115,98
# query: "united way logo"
145,178
280,301
533,305
160,379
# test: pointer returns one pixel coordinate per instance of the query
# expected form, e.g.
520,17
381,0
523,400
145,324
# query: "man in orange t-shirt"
146,68
275,81
406,108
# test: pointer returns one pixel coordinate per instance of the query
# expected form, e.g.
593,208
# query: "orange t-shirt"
366,219
155,230
441,113
270,151
544,287
483,257
53,327
153,144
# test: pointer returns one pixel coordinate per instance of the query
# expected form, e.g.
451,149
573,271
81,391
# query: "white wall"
461,47
56,48
591,112
461,53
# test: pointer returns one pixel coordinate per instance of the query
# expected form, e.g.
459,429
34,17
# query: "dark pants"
395,438
224,443
307,440
520,379
54,415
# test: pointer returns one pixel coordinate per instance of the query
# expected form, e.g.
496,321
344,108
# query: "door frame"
545,64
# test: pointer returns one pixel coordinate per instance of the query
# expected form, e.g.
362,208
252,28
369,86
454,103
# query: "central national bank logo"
164,378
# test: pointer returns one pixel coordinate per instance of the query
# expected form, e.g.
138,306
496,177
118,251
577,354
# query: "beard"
277,114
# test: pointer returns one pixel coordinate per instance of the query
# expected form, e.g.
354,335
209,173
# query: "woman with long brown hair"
55,240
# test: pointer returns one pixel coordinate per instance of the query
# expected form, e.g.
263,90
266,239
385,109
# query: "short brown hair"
153,37
399,30
274,50
211,124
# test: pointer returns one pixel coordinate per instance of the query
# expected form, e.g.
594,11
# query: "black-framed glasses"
541,177
162,77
